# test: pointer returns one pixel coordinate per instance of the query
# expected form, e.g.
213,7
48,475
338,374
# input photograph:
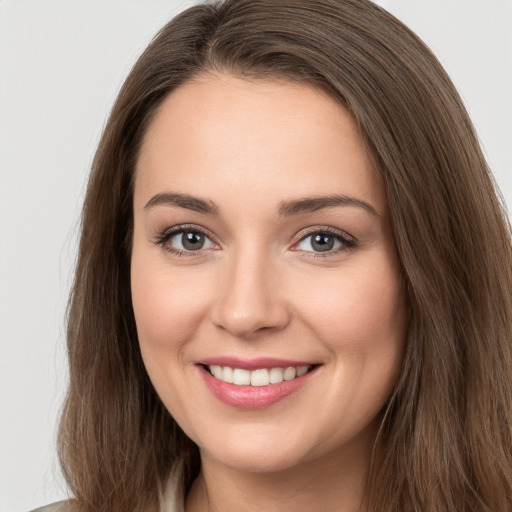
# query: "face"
265,282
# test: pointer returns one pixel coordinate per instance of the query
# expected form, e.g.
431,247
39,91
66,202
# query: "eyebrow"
183,201
285,208
312,204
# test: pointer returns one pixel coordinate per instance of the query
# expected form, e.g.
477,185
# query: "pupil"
192,241
322,242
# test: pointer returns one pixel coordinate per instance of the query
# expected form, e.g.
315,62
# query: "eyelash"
164,237
347,241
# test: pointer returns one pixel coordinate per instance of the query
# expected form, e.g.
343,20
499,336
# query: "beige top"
172,502
60,506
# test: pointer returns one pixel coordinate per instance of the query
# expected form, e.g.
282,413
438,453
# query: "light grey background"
61,65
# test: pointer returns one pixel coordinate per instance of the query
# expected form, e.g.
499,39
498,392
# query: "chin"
257,459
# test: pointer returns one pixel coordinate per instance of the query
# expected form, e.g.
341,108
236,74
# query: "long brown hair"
445,440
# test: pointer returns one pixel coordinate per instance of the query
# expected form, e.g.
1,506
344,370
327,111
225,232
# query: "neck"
335,482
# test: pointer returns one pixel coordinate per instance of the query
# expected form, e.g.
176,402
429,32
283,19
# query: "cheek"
167,305
360,316
168,308
362,322
358,309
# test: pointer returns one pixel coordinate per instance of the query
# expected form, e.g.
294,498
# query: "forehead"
224,135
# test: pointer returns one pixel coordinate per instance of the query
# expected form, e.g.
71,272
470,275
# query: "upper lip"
253,364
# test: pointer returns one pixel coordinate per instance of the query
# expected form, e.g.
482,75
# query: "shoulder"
59,506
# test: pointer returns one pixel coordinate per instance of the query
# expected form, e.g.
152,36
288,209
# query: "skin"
258,288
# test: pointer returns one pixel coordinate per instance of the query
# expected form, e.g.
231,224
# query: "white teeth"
241,377
260,377
289,373
302,370
217,371
276,375
227,375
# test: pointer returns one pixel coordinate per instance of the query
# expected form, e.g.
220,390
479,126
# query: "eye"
325,241
184,241
190,241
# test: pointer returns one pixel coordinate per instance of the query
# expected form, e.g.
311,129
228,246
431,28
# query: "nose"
250,299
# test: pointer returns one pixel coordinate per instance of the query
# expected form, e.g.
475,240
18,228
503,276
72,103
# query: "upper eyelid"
162,238
300,234
325,229
165,235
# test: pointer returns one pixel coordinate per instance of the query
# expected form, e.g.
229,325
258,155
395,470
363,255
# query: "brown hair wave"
445,441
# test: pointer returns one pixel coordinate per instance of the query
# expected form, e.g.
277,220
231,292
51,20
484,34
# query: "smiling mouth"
258,377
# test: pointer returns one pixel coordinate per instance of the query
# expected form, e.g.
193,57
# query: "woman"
293,289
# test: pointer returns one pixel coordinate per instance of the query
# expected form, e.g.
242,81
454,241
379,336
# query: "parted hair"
445,442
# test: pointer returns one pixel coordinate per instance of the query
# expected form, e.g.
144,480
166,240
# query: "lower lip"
253,397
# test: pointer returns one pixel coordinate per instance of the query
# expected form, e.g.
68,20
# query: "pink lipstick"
254,383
